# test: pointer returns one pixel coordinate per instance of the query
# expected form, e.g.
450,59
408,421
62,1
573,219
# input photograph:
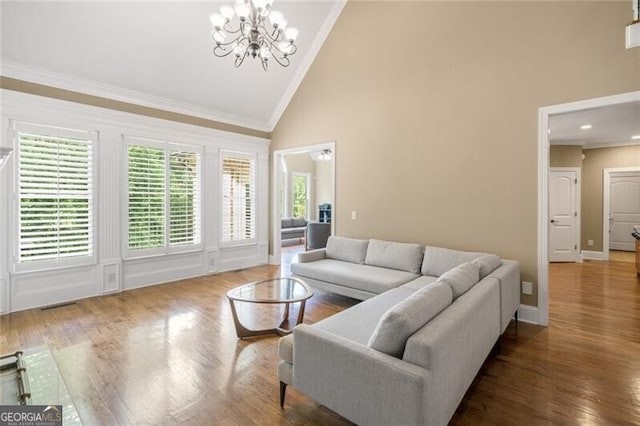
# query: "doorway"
564,207
304,179
540,314
621,211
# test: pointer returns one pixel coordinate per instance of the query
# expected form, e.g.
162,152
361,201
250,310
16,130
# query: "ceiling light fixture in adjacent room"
635,137
258,32
325,155
585,126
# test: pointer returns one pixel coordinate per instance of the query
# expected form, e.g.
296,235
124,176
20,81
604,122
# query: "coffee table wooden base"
244,332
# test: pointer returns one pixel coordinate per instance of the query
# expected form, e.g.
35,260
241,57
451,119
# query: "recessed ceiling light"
635,137
585,127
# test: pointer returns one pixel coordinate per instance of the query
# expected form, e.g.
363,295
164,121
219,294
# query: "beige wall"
66,95
436,120
596,160
324,191
565,156
301,163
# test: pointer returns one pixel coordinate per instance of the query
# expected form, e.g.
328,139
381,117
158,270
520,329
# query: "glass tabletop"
273,290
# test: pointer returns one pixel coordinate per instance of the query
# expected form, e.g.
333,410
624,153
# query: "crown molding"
94,88
308,59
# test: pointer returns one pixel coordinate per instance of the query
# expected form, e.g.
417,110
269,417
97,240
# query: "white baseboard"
274,260
528,314
592,255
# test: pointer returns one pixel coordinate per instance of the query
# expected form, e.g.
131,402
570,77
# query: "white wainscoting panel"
111,277
161,269
239,257
211,264
42,288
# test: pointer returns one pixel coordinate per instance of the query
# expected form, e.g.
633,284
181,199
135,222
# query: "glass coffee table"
273,290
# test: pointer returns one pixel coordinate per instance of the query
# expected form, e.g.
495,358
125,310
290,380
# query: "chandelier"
251,35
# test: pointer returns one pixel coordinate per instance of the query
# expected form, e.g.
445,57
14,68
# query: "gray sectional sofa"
408,353
292,228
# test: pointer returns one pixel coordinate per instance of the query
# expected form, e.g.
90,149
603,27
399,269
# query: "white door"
563,215
624,211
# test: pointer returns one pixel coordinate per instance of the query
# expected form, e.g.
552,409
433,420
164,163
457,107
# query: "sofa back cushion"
402,320
401,256
461,278
346,249
438,260
487,264
286,222
298,222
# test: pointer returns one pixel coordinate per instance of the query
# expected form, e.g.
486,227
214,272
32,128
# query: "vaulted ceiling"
157,54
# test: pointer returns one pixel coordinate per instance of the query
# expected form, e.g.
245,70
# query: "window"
55,196
163,196
300,194
238,197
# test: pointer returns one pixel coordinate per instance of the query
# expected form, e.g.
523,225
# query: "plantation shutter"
184,204
238,197
146,191
55,193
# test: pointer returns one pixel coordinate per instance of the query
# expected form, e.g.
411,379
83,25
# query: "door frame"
606,204
577,170
275,257
542,311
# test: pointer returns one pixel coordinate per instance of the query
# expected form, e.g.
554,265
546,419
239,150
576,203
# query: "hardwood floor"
168,354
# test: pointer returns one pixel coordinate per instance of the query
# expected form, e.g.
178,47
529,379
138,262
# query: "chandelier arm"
221,52
234,42
284,61
239,60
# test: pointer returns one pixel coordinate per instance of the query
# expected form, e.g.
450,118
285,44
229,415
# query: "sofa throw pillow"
438,260
401,256
346,249
461,278
487,264
401,321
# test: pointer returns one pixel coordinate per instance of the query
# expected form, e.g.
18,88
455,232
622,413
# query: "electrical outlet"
527,288
354,215
590,243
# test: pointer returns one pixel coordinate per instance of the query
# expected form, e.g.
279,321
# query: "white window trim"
248,156
72,262
166,249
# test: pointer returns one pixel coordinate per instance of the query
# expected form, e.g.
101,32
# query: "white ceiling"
610,125
158,54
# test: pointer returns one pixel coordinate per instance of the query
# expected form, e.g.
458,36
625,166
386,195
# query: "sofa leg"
283,390
495,351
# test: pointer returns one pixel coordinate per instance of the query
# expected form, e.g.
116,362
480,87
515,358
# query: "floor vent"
59,305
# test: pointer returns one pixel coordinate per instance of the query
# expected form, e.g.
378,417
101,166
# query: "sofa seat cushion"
286,222
401,256
461,278
294,231
358,322
420,282
360,277
347,249
438,260
402,320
